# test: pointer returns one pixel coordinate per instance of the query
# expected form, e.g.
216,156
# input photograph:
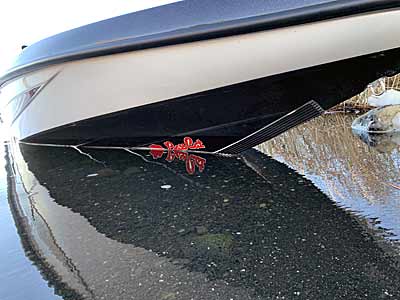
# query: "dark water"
120,225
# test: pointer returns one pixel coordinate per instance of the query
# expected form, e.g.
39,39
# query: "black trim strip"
292,17
304,113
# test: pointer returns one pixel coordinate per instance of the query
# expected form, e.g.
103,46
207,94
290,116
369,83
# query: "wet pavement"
123,225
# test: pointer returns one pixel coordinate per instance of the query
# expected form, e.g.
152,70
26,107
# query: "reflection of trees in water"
274,233
326,147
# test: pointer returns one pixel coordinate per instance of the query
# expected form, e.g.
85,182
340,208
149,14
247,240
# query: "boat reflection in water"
122,226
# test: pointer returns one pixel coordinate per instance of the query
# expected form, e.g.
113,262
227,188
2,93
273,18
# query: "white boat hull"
99,86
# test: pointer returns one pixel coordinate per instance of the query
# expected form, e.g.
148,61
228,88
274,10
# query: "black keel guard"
303,114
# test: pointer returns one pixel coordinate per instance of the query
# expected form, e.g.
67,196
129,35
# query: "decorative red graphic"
187,145
179,151
156,151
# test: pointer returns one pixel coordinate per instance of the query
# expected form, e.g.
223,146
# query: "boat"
213,69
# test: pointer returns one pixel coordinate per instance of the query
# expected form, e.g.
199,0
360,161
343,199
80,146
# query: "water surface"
358,173
19,277
120,225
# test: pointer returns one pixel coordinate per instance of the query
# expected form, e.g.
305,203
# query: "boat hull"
204,88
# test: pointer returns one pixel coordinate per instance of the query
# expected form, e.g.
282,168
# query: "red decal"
198,145
190,165
170,155
200,162
181,147
179,151
156,151
169,145
188,141
181,155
